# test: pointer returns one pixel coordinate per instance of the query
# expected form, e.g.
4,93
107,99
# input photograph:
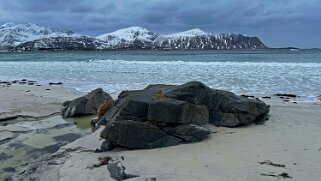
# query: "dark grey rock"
266,97
231,110
108,116
167,115
55,83
117,171
193,92
188,132
85,105
285,95
135,135
106,146
177,112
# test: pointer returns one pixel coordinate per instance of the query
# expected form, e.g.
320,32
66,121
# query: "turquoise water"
257,72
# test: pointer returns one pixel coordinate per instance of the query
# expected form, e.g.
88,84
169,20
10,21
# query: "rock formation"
166,115
85,105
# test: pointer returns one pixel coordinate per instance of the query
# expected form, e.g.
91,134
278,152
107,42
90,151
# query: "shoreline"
243,153
288,137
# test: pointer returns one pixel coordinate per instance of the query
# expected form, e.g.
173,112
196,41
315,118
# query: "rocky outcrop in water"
166,115
85,105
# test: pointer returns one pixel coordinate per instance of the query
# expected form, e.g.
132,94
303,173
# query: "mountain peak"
195,31
128,34
188,33
133,28
128,31
12,34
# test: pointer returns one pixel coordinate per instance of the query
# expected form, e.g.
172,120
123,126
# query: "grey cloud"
270,20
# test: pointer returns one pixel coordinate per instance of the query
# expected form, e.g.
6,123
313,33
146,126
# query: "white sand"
292,137
29,102
32,102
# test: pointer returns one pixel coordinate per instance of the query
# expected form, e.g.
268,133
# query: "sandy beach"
160,90
290,139
32,102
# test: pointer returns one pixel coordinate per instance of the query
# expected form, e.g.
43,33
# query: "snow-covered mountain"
34,37
194,39
12,34
190,33
128,35
206,41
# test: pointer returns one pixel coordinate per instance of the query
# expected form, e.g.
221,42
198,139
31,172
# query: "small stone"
266,97
55,83
117,171
285,95
98,151
106,146
248,96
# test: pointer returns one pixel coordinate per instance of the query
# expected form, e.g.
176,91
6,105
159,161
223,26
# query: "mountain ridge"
30,36
12,34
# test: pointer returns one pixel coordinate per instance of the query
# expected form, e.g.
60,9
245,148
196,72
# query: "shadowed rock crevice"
85,105
167,115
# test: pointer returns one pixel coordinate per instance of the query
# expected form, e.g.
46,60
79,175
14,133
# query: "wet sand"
29,126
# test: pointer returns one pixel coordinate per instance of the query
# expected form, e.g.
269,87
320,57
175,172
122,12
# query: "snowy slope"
196,39
127,36
14,34
190,33
30,36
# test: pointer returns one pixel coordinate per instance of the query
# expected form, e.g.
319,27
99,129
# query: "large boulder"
85,105
149,119
166,115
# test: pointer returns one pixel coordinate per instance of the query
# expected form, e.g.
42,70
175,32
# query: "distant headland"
29,36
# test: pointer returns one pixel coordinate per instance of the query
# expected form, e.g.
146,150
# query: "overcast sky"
278,23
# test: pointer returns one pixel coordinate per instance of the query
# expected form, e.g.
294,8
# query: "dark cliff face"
61,43
208,42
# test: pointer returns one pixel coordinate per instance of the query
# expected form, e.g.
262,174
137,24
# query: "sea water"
253,72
